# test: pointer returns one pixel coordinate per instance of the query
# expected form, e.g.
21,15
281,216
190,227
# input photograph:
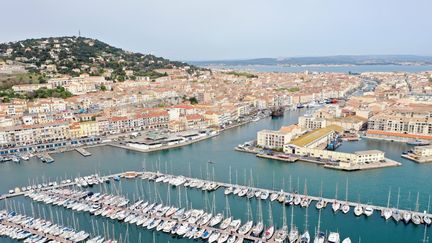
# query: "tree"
193,100
103,88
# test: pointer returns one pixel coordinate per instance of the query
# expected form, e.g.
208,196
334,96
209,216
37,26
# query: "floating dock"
309,197
83,152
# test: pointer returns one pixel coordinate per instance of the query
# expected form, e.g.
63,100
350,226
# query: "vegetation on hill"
242,74
58,92
73,56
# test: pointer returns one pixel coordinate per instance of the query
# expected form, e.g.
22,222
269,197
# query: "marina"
28,229
287,198
183,222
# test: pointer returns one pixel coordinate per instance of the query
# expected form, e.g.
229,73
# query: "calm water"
340,69
368,186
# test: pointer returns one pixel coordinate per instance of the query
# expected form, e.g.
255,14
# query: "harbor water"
213,159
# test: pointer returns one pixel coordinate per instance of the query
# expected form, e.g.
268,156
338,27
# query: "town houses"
177,103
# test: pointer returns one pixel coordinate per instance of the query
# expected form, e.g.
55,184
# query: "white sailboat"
282,233
336,204
387,212
293,234
305,237
345,206
319,236
259,227
269,232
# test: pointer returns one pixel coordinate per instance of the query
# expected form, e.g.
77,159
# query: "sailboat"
268,234
319,236
426,219
358,209
305,237
244,229
227,221
282,233
345,206
336,204
415,218
395,212
387,212
259,227
293,234
333,237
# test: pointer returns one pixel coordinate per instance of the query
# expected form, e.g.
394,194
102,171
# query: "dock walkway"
83,152
310,197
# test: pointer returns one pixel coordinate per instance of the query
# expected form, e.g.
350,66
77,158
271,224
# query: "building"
423,151
400,127
318,138
344,159
311,122
277,139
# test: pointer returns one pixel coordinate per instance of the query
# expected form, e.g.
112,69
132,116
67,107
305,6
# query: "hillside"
48,57
327,60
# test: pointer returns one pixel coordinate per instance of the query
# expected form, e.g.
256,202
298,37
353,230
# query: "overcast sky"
230,29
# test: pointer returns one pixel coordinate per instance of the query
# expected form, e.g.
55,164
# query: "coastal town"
58,97
148,114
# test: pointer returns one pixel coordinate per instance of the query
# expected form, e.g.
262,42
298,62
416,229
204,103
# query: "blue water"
339,69
366,186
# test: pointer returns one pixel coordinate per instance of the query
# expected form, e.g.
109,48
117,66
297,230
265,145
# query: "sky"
230,29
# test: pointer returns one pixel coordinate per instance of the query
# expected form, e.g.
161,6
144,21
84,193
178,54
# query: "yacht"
305,237
358,210
268,234
281,234
293,234
387,213
257,229
368,211
345,208
406,217
336,206
346,240
319,238
333,237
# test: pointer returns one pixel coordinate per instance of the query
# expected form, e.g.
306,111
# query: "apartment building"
392,125
277,139
34,134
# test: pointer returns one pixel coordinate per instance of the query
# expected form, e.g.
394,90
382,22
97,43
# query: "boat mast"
270,215
346,191
230,174
336,191
319,222
260,212
388,199
397,202
227,207
417,203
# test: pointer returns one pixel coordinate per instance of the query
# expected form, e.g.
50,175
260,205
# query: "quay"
419,154
164,147
417,159
83,152
291,158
